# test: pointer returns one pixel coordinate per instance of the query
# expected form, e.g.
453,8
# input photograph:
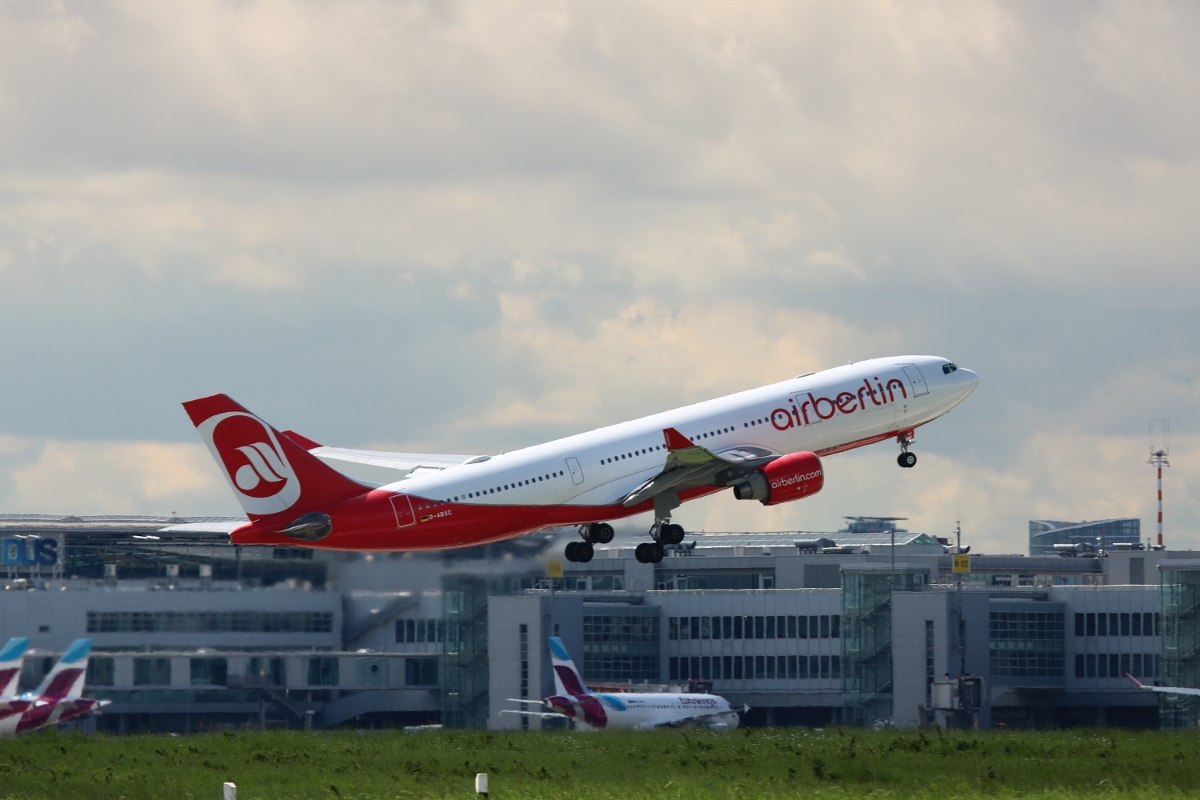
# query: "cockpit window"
949,367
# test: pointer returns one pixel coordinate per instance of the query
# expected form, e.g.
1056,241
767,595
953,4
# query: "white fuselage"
823,412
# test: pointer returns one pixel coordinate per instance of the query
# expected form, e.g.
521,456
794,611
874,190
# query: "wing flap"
689,463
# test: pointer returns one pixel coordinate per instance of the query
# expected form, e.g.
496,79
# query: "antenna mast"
1160,448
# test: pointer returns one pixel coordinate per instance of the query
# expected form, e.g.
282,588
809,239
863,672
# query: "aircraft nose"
968,379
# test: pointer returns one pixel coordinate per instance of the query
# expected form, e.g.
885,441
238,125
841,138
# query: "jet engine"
792,477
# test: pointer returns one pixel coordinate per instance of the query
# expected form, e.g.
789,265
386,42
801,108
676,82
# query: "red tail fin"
270,474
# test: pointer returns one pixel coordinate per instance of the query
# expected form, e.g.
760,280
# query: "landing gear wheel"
572,548
599,533
672,534
907,460
583,552
653,552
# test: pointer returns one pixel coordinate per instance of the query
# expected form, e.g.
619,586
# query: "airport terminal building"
193,633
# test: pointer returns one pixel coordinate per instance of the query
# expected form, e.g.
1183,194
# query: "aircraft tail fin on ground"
567,680
66,679
12,657
270,473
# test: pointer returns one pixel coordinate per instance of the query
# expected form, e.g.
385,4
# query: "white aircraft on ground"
765,444
56,700
640,711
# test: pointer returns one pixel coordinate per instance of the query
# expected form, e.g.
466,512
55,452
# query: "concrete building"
855,626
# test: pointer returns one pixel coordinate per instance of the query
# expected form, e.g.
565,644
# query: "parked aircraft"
56,700
12,658
1163,689
626,709
765,444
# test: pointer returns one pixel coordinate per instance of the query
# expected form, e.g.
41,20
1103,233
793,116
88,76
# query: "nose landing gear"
906,459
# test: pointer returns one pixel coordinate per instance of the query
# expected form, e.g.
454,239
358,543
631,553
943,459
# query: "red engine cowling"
792,477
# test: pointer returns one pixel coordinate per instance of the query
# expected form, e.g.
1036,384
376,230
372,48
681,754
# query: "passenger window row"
738,668
1115,665
1122,624
691,437
815,626
504,488
624,456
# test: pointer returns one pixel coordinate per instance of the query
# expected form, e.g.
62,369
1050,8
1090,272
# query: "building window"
1091,666
760,628
420,672
1079,624
1091,624
716,627
1079,662
420,630
1136,627
323,671
209,671
209,622
626,648
100,671
929,655
1027,644
152,672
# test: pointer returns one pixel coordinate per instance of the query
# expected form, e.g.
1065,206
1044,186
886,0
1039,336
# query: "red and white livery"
765,444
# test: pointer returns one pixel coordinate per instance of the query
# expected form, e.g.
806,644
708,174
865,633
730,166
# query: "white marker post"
230,791
481,784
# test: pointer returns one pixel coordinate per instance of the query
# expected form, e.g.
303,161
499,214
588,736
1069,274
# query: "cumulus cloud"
467,227
66,477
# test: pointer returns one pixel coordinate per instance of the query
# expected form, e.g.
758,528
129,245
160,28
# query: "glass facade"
465,652
1102,534
1027,644
621,648
1179,664
867,641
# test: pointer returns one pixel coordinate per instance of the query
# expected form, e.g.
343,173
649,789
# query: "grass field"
747,763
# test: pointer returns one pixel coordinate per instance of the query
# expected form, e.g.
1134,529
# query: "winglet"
676,440
1136,682
303,441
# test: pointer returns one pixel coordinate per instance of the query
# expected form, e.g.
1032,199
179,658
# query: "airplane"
1163,689
765,444
12,658
56,699
640,711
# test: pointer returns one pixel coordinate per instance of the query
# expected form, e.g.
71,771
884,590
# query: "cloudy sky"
467,227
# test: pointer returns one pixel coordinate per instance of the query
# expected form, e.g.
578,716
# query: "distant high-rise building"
1101,534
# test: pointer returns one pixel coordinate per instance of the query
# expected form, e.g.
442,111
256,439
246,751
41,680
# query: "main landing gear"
906,459
663,532
592,533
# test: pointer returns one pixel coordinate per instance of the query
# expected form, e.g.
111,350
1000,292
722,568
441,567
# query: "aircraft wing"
680,721
689,464
380,458
542,714
1164,689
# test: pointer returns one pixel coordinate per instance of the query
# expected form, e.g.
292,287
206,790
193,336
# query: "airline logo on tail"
253,461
